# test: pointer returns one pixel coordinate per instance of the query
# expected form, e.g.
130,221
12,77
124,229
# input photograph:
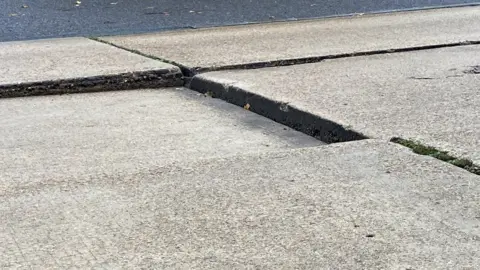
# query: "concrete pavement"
170,178
299,42
361,205
77,65
89,134
430,96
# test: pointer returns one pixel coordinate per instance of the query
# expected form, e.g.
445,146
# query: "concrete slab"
362,205
430,95
83,134
226,46
76,61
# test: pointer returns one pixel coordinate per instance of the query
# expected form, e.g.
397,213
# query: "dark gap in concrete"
300,120
124,81
313,125
316,59
189,72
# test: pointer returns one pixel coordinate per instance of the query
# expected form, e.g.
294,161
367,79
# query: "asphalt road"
32,19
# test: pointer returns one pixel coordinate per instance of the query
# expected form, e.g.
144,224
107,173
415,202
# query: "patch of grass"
425,150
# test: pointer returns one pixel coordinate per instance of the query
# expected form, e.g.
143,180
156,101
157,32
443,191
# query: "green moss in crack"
425,150
209,94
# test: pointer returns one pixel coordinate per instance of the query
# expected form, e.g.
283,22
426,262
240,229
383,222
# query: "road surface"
32,19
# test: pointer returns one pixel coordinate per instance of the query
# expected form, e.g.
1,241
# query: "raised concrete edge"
286,114
124,81
299,119
79,65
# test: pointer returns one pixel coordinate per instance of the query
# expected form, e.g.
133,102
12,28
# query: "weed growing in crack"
425,150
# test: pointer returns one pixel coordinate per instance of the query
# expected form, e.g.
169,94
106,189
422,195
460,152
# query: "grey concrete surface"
83,134
30,19
361,205
431,96
70,58
279,41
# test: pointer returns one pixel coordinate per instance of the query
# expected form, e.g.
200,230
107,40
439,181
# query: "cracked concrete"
379,96
77,65
170,178
227,46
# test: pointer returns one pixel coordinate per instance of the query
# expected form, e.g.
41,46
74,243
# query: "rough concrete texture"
84,134
361,205
430,95
279,41
70,58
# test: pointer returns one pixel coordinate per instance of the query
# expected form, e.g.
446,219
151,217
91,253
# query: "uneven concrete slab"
431,96
84,134
361,205
279,42
64,65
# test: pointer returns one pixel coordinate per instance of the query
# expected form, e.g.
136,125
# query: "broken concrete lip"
264,44
77,65
380,96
